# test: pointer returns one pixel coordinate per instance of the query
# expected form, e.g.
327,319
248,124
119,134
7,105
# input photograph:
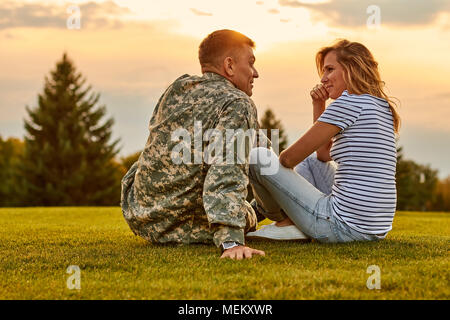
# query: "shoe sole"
271,239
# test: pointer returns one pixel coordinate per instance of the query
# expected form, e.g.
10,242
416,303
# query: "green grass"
38,244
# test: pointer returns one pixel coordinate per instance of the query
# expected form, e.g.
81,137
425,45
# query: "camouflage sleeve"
225,186
161,99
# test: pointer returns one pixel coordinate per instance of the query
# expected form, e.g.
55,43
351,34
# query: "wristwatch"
228,245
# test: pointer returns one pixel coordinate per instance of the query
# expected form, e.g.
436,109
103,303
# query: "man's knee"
254,155
254,163
264,160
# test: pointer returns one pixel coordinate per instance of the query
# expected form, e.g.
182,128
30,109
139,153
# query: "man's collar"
215,76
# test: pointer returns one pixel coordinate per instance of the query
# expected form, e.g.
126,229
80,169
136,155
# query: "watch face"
228,245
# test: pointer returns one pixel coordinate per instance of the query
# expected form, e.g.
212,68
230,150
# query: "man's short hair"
219,43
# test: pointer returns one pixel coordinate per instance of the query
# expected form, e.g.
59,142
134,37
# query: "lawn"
38,244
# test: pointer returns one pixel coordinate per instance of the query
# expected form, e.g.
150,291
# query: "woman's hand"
319,94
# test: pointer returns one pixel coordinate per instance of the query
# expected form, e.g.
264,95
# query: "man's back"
168,196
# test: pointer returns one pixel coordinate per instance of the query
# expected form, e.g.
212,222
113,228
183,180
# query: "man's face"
244,72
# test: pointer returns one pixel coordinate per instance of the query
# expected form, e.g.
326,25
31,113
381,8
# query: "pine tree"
269,121
68,158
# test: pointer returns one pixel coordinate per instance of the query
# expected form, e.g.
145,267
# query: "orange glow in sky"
130,50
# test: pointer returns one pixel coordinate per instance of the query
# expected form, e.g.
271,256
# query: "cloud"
259,3
273,11
130,67
35,15
9,36
351,13
201,13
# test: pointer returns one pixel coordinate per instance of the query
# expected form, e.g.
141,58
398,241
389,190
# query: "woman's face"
333,76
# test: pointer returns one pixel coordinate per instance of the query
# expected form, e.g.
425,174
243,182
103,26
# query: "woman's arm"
323,152
319,95
318,135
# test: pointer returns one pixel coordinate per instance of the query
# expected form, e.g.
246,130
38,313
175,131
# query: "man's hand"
241,252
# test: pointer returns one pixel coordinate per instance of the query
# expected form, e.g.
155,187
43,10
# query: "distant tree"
125,163
416,184
129,160
269,121
11,153
68,158
442,199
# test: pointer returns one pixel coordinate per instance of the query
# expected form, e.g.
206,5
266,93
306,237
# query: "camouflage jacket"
167,201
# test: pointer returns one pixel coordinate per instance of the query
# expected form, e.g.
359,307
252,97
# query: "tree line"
67,156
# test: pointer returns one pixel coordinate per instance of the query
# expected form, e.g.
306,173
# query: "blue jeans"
303,194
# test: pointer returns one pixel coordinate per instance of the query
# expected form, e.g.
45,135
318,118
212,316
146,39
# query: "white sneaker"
273,232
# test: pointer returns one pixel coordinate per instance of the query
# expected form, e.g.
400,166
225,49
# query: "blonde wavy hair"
360,72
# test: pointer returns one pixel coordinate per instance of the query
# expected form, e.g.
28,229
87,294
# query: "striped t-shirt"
364,194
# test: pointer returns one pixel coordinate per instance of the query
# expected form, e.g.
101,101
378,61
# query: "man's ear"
228,66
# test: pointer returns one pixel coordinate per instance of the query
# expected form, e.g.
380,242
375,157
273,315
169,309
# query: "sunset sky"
131,50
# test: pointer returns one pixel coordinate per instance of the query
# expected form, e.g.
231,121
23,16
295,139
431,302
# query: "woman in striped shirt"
346,190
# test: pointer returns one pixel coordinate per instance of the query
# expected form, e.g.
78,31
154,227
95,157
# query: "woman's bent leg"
319,174
299,199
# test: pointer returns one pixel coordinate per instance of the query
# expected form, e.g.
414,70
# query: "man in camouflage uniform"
194,202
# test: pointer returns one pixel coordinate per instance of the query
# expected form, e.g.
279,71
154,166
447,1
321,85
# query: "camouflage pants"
251,218
202,233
